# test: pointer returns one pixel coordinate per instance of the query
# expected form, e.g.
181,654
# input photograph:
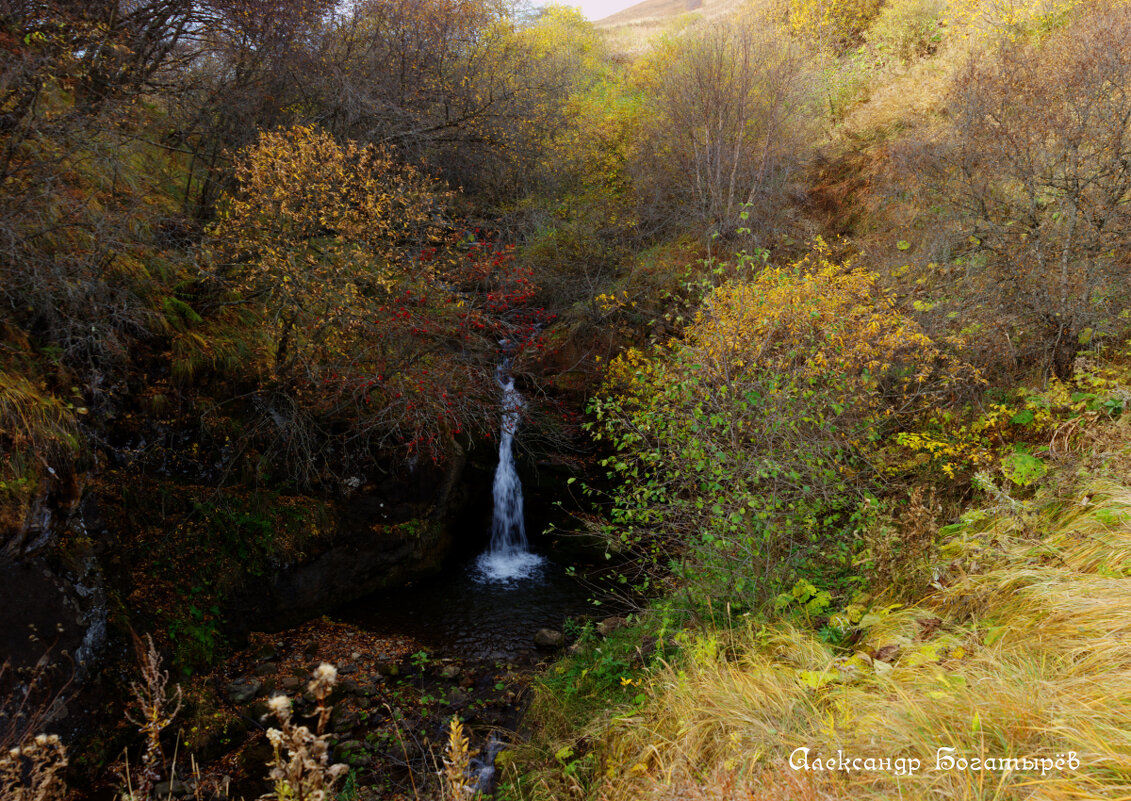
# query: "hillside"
630,31
651,10
424,399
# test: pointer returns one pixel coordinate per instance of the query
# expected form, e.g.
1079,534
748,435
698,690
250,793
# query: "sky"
598,9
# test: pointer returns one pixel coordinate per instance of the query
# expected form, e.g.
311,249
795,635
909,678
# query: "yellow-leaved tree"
316,230
346,255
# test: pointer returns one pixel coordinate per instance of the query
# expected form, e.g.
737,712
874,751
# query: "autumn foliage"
383,319
749,447
1037,164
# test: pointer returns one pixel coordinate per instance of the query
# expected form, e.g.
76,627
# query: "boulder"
610,624
343,720
548,638
241,691
351,752
174,787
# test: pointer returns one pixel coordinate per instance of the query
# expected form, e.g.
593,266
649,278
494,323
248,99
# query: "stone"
261,712
291,682
345,670
342,720
243,690
458,699
610,624
351,752
266,669
255,758
58,711
450,672
388,669
548,638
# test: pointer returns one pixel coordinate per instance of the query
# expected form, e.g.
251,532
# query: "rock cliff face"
386,536
53,610
73,552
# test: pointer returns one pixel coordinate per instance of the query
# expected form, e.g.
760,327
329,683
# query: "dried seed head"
280,705
326,673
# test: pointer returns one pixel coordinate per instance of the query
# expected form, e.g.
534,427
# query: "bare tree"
1038,162
729,126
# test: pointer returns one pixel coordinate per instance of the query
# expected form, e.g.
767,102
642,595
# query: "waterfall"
508,556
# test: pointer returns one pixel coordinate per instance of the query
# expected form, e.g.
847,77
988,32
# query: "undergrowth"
1017,649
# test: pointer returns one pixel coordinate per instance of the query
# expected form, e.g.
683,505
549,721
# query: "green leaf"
1023,418
1023,468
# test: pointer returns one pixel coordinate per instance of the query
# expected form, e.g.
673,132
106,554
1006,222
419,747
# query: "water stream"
487,609
489,606
508,558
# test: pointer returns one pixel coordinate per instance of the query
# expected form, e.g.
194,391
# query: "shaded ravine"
462,615
461,643
490,606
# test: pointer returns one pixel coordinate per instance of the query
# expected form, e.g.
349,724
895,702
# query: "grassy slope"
652,10
1022,649
628,32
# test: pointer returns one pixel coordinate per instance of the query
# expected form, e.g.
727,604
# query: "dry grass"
630,32
1026,652
652,11
31,420
37,435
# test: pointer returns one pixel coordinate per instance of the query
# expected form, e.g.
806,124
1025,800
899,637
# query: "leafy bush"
382,319
729,118
907,29
747,449
831,24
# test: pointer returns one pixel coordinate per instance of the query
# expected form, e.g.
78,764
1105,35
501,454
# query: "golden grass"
1027,652
650,11
34,423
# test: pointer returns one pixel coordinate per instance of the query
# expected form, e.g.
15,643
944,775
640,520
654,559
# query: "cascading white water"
509,555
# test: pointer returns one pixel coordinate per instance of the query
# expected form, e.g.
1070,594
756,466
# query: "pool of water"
467,614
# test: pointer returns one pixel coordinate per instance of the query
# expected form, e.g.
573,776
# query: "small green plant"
806,597
1022,468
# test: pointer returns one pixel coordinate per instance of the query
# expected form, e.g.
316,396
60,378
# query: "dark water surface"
464,614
